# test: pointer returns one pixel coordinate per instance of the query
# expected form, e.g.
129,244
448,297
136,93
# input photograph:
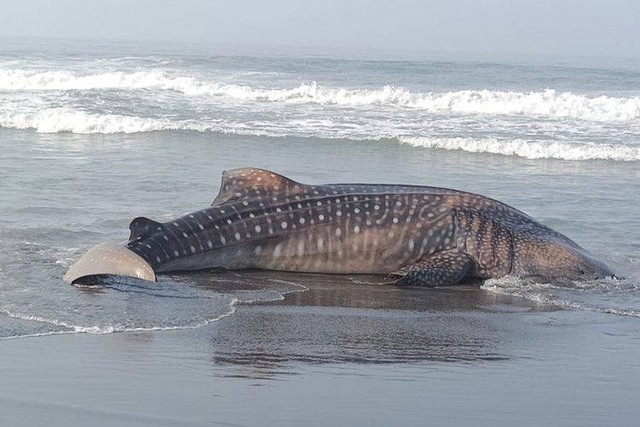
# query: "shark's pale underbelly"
321,252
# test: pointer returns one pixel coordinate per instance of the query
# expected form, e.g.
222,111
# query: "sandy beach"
338,354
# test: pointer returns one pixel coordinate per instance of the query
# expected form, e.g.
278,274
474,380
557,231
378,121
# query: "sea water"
93,134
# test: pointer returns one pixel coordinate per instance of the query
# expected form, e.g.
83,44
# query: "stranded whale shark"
424,236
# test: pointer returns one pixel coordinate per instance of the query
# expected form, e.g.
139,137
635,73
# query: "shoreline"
337,354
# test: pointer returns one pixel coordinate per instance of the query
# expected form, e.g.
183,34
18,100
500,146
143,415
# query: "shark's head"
559,259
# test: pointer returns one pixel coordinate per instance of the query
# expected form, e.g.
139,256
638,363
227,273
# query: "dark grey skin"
422,236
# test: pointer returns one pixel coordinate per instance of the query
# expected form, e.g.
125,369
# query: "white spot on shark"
277,250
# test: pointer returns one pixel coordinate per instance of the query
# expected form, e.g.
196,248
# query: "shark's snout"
111,259
562,260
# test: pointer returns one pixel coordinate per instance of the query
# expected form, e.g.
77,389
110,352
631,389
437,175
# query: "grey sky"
581,27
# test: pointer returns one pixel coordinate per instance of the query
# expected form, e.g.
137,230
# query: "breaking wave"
531,149
541,103
68,120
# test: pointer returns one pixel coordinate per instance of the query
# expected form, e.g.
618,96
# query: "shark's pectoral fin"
441,269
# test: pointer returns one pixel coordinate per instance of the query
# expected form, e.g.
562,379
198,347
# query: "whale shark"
416,235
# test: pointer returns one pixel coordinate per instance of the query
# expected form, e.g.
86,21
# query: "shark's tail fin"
112,259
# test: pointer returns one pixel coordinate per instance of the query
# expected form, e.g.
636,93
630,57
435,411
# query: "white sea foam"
108,328
66,120
540,103
544,103
530,149
582,296
20,79
52,120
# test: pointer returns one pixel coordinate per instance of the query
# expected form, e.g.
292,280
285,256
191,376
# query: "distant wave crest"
538,103
54,120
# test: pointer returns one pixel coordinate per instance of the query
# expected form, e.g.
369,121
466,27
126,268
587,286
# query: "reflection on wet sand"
338,319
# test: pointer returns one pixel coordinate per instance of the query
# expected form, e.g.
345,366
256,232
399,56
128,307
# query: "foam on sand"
620,294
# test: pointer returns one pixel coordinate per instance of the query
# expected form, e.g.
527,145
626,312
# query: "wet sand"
339,354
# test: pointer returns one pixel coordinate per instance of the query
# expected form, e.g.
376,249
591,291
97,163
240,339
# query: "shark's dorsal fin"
248,183
142,227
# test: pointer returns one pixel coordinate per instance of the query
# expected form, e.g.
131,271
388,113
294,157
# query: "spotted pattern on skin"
352,228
